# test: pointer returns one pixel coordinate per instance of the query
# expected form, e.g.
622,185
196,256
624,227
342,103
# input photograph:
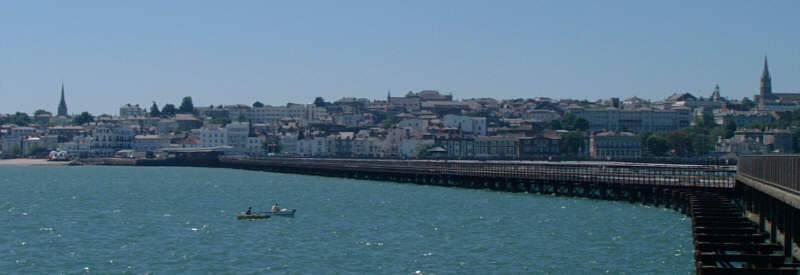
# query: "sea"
180,220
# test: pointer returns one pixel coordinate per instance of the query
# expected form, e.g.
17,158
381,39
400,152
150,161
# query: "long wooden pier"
728,240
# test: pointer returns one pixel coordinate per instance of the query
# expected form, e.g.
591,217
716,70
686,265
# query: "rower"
275,208
249,210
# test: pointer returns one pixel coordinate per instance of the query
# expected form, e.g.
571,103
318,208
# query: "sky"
109,53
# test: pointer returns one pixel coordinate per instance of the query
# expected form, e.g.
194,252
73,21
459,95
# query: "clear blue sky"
222,52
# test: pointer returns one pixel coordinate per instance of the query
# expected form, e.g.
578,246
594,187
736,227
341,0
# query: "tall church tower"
62,105
766,83
715,96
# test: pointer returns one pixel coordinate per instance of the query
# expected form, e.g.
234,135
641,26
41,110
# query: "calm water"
136,220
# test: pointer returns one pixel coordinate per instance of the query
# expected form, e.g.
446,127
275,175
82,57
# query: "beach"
31,162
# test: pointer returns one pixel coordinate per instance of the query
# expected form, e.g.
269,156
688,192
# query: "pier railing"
711,176
779,170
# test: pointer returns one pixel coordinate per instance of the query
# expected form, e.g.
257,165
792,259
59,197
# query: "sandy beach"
30,162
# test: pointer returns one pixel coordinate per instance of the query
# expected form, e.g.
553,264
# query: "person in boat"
249,211
275,208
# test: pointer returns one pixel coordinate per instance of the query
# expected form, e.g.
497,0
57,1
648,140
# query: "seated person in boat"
249,211
275,208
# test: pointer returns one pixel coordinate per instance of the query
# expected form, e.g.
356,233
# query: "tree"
83,118
556,124
187,107
656,145
730,129
581,124
570,122
747,103
319,102
221,120
41,112
422,150
680,141
258,104
707,120
272,145
701,145
37,150
154,112
20,119
15,150
169,110
571,142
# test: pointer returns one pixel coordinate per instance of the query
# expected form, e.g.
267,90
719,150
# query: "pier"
744,218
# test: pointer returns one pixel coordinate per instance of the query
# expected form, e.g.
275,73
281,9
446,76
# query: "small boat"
251,217
283,212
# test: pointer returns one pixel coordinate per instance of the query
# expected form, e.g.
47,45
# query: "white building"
212,137
540,115
615,145
312,147
236,134
129,110
150,143
742,118
419,125
638,120
166,126
108,139
255,145
407,147
269,114
467,125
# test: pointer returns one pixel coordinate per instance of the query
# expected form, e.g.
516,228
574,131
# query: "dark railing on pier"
709,176
778,170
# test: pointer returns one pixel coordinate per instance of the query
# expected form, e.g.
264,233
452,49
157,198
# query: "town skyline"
115,53
699,93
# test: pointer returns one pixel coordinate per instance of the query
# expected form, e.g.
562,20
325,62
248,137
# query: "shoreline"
31,162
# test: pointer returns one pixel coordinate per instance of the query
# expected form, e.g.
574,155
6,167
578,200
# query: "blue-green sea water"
167,220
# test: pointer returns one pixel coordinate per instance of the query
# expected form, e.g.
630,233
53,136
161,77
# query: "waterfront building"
407,148
150,143
539,146
236,134
108,139
213,137
457,147
255,145
80,146
496,147
312,147
615,145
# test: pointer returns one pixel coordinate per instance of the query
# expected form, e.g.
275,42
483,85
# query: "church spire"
766,82
62,105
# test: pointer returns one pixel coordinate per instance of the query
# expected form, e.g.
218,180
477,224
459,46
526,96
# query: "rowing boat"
283,212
